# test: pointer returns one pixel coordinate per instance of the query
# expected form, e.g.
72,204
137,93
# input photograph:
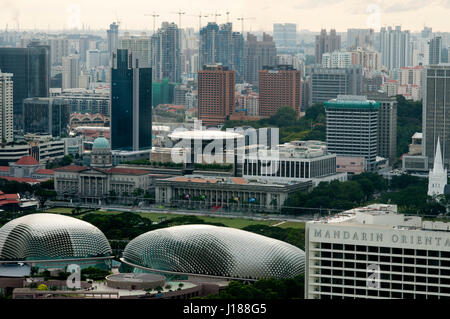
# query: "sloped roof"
27,160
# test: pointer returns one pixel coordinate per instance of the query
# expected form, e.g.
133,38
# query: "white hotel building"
409,256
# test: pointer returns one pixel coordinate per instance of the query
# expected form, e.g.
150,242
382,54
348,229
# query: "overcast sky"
307,14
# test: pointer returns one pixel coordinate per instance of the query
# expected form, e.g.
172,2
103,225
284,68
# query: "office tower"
436,112
279,87
70,72
6,107
306,93
326,43
395,47
58,48
207,44
337,59
426,32
30,67
285,37
237,56
375,252
46,116
352,127
258,54
113,37
166,53
95,58
140,46
387,126
87,101
83,47
434,50
215,94
360,38
131,103
328,83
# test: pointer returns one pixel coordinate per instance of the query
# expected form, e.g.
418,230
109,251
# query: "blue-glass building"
131,103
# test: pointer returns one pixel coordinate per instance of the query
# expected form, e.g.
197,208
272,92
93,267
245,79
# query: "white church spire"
437,178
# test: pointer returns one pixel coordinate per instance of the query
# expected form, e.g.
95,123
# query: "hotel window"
397,251
361,248
337,246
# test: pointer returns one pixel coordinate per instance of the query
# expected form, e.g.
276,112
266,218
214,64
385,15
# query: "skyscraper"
360,38
166,53
395,47
435,50
30,67
279,87
285,37
131,103
70,72
139,45
113,37
326,43
352,127
6,107
436,112
216,100
258,54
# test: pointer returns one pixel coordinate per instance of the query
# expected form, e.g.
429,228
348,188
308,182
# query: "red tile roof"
4,168
8,196
11,201
27,160
129,171
20,179
71,168
45,171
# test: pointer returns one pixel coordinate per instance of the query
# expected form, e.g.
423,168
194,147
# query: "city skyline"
341,14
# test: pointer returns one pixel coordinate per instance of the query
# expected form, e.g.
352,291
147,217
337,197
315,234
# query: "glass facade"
214,251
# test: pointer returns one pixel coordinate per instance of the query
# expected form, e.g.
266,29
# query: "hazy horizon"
307,14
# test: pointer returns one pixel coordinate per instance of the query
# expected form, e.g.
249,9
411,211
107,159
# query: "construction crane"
180,13
228,16
154,15
199,16
242,22
215,16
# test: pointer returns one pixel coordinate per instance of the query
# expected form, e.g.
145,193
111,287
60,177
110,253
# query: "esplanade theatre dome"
214,251
48,237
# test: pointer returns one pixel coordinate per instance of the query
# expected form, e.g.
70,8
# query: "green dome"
100,142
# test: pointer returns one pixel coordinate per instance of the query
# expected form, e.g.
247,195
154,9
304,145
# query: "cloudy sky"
307,14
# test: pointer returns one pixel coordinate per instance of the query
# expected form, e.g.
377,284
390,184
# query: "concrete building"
279,87
328,83
70,72
59,48
140,46
298,161
360,38
285,37
87,101
395,47
352,127
435,50
234,193
373,253
96,58
6,107
166,53
436,112
216,101
113,37
326,43
337,59
257,55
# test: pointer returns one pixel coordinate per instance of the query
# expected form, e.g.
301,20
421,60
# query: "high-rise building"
59,47
337,59
258,54
360,38
285,37
328,83
395,47
131,103
95,58
374,252
166,53
279,87
352,127
6,107
46,116
216,100
435,50
70,72
30,67
436,112
387,126
139,45
113,37
326,43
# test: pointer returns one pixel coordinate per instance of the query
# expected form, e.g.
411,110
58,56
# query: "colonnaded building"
374,252
100,180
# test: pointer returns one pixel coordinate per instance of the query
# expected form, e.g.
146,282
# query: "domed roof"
214,251
100,142
51,236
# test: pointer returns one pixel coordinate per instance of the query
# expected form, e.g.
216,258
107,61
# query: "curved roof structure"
214,251
100,142
51,236
205,135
